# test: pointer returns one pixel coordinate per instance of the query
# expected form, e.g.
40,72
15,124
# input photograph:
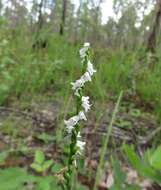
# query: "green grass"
25,73
45,75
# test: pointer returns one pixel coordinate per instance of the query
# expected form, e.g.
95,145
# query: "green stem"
105,144
75,131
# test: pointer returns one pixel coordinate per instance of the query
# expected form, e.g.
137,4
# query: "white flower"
75,163
83,50
80,145
90,68
79,135
82,116
77,92
77,84
87,44
85,103
72,121
69,129
86,77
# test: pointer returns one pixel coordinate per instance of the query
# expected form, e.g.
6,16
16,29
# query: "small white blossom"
85,103
87,44
86,77
72,121
90,68
77,92
75,163
80,145
77,84
69,129
83,50
82,116
79,135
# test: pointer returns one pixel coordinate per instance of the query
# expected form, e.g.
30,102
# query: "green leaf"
44,185
46,138
132,156
124,124
118,174
37,167
47,183
135,112
143,168
155,159
14,179
47,164
81,165
39,157
81,187
3,156
115,187
56,168
133,187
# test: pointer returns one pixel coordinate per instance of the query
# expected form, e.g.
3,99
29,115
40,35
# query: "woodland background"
39,57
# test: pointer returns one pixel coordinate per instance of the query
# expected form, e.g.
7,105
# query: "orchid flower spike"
83,106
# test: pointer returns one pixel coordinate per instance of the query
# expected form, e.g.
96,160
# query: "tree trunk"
151,43
77,27
64,10
40,17
39,43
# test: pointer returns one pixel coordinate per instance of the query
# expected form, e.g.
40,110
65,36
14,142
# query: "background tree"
64,11
151,42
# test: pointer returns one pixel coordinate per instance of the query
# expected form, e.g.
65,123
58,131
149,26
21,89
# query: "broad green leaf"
115,187
14,179
132,156
124,124
135,112
46,138
155,159
47,183
132,188
37,167
118,174
3,156
39,157
56,168
143,168
47,164
81,187
44,185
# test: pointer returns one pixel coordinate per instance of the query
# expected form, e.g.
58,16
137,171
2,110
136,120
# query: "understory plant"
40,164
83,105
149,166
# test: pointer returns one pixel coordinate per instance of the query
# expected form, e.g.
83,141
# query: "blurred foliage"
35,60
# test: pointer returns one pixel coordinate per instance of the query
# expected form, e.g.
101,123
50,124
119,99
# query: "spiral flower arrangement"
83,106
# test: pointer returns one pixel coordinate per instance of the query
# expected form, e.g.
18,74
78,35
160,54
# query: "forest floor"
28,127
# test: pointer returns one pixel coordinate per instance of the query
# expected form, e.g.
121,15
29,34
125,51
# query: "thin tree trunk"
151,42
39,43
64,10
77,23
40,17
97,20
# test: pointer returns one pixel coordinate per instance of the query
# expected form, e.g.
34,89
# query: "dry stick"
103,150
27,115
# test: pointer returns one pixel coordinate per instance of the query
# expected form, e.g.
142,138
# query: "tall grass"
106,141
26,72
